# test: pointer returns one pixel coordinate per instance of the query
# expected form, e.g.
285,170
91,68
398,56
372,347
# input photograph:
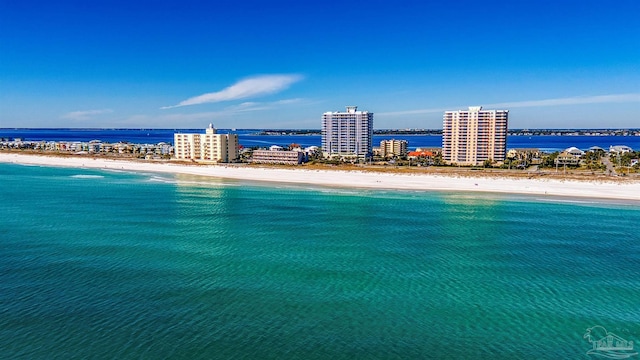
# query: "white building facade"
209,146
286,157
470,137
347,134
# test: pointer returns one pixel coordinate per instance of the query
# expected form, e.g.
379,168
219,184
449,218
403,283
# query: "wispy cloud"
577,100
243,89
171,119
288,101
85,114
257,106
412,112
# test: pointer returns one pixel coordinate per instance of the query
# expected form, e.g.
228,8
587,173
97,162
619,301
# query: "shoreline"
550,187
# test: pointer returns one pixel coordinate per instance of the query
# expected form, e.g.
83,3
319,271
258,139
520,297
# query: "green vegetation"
626,163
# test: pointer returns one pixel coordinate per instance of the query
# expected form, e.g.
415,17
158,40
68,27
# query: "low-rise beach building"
596,149
393,148
285,157
420,154
568,157
574,151
93,147
619,149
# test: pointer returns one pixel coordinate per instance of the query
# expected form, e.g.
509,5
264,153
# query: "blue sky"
281,64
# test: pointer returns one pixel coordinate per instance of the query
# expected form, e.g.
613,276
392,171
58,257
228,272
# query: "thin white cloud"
85,114
171,120
256,106
250,87
577,100
412,112
288,101
247,104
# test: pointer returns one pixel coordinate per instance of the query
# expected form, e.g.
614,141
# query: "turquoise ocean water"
119,265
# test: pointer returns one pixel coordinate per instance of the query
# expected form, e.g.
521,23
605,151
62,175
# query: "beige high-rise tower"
209,146
469,137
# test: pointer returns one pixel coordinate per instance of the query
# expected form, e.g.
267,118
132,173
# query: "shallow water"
103,264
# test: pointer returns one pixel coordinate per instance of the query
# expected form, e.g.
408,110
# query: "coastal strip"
618,190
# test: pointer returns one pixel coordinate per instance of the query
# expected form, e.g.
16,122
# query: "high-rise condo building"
209,146
470,137
347,134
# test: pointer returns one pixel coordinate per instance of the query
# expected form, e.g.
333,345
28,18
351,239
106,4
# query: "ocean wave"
84,176
162,179
206,183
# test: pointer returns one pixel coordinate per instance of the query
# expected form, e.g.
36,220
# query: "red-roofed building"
417,154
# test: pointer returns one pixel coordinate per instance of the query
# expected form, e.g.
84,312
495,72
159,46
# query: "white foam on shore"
572,201
542,188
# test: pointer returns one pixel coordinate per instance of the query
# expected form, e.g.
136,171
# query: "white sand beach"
619,190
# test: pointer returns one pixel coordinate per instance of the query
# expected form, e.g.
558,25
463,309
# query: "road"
610,168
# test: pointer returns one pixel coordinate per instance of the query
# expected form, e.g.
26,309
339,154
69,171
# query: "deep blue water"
103,264
154,136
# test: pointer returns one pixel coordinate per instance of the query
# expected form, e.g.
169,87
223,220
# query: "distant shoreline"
545,187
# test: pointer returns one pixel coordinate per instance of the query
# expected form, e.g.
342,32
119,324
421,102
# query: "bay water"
252,137
105,264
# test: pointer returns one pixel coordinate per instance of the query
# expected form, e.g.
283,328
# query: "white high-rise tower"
347,134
